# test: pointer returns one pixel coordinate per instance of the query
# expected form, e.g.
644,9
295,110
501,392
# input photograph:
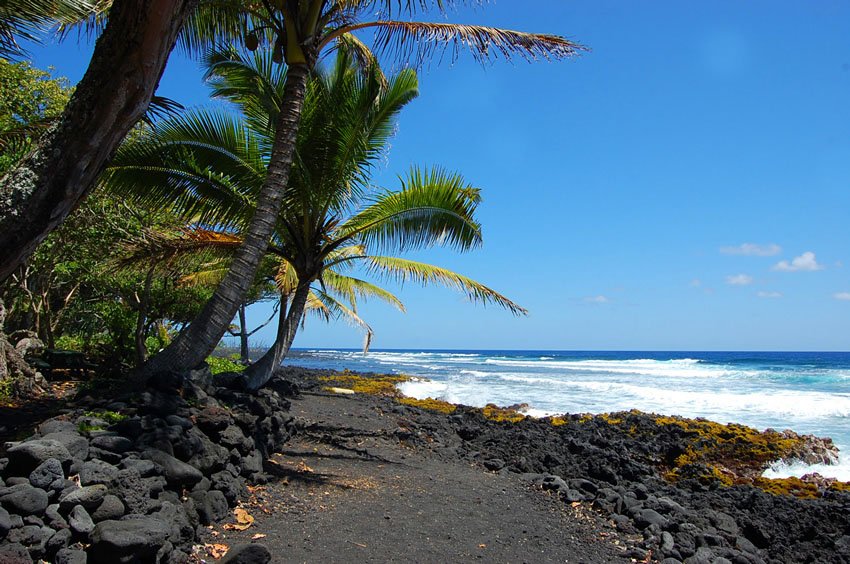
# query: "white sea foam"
421,389
840,470
686,367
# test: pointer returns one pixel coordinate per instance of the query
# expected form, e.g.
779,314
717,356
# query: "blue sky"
683,186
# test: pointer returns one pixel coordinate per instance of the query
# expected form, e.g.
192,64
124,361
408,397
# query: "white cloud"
600,299
753,250
769,294
843,296
739,280
803,263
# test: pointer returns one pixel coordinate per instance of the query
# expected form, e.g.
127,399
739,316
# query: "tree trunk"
200,339
261,371
128,60
141,349
243,336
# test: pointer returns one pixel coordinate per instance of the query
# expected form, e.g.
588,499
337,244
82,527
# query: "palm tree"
301,30
128,59
212,166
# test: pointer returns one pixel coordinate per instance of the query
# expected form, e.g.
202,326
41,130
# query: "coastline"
334,466
639,471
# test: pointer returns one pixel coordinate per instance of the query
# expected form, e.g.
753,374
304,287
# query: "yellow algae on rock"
429,404
378,385
501,414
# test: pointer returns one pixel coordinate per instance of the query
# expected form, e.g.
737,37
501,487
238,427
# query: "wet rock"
247,554
24,499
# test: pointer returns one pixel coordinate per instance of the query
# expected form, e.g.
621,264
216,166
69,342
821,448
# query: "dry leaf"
243,520
258,536
575,504
216,550
302,467
482,545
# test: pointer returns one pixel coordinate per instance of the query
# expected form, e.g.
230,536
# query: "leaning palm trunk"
261,372
201,337
128,60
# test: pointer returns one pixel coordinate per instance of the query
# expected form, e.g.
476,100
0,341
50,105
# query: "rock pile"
694,521
134,483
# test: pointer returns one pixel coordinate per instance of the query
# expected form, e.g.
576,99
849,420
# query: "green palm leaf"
403,270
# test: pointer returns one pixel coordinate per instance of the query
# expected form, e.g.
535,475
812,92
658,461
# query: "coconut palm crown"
300,31
210,166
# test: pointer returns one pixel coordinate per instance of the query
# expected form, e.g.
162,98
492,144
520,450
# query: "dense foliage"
30,99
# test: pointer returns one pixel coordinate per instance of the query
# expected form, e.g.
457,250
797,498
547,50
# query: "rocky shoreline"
139,478
621,464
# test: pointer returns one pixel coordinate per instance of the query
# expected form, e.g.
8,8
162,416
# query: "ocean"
807,392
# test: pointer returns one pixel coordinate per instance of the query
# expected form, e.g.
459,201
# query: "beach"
336,466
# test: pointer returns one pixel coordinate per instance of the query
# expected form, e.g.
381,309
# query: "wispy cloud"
739,280
753,250
696,283
769,294
600,299
803,263
843,296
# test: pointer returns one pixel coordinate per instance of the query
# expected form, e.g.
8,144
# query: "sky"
685,185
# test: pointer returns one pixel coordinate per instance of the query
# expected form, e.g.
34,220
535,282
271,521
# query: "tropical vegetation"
210,166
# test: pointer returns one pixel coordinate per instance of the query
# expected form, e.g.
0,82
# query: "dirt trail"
349,491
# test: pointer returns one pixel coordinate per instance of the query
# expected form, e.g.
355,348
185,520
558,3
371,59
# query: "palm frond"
403,270
434,207
29,19
354,289
16,139
417,41
204,166
329,308
180,251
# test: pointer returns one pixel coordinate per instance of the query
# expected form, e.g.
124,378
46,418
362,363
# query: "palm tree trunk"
261,372
197,342
243,336
128,60
144,302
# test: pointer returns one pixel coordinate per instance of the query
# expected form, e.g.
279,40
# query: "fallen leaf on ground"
216,550
243,520
258,536
482,545
302,467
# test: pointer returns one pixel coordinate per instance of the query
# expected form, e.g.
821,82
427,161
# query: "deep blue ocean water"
808,392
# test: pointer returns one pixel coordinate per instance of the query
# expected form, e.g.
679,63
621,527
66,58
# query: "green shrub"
218,365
